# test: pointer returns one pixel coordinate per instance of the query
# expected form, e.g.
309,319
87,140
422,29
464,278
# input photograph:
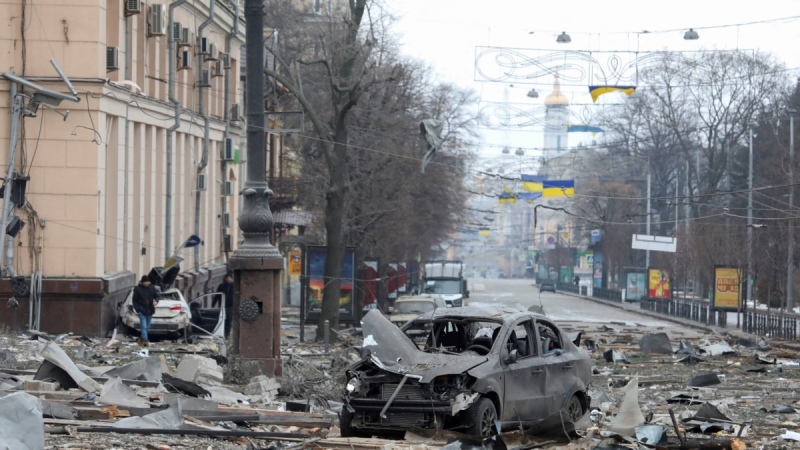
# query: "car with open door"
172,315
463,369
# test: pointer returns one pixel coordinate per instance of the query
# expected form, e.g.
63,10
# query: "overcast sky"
445,33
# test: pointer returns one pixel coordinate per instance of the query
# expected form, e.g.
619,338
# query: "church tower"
555,122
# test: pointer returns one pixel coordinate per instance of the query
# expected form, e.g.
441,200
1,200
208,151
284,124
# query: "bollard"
327,335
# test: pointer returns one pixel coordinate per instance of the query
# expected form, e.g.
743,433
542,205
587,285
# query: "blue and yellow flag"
558,188
528,196
507,197
483,231
532,183
597,91
584,129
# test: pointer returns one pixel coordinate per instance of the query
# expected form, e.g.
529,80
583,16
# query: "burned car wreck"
463,369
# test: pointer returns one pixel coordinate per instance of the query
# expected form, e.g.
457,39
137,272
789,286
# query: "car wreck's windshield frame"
467,330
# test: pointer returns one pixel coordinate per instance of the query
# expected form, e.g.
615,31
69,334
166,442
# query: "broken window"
520,340
454,336
549,338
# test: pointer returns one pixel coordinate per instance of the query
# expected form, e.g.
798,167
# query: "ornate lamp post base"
257,266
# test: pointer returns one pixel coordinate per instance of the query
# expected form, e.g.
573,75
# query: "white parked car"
172,314
408,308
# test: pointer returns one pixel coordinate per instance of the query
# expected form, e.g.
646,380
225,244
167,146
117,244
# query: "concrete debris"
56,356
146,369
708,379
616,356
263,386
718,349
115,392
630,414
656,343
37,385
21,424
169,419
650,434
226,396
199,369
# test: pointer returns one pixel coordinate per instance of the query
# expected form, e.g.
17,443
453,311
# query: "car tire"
187,332
479,419
575,408
346,423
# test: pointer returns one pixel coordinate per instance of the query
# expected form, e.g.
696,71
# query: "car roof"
502,313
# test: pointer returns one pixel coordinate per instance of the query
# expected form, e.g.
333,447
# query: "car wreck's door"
526,383
559,365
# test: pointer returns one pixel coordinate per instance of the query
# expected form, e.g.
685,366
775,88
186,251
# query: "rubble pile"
78,392
671,389
651,388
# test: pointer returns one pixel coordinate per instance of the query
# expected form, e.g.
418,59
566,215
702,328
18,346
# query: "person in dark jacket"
145,298
226,288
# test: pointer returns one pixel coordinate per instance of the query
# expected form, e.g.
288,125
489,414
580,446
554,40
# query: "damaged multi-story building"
143,155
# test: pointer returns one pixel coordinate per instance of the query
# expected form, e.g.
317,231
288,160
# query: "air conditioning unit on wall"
228,151
226,61
112,59
157,25
228,188
205,78
176,32
133,7
218,70
212,53
226,220
186,38
236,113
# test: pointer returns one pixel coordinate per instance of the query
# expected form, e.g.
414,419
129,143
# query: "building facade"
148,156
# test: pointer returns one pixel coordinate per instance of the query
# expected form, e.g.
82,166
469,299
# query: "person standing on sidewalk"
226,288
145,299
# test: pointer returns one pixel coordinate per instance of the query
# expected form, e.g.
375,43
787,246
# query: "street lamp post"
647,252
790,263
256,262
750,278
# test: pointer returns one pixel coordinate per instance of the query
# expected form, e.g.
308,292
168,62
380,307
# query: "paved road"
559,307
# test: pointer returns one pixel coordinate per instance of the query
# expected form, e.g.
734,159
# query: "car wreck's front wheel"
480,419
575,408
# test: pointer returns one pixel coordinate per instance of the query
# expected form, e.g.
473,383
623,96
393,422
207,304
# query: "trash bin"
584,290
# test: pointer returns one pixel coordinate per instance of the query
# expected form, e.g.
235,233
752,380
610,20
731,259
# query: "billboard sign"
727,287
658,284
295,264
636,285
314,282
654,243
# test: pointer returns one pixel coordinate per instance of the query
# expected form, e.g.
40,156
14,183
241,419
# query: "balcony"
285,192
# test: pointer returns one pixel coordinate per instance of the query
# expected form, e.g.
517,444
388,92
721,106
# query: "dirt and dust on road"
653,386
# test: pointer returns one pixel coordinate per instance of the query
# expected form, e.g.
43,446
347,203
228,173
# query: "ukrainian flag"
528,196
507,197
558,188
483,231
584,129
532,183
597,91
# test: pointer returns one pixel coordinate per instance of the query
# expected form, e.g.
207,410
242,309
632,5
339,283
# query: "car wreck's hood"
392,350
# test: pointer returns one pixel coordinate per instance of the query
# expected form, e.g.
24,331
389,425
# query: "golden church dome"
556,98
